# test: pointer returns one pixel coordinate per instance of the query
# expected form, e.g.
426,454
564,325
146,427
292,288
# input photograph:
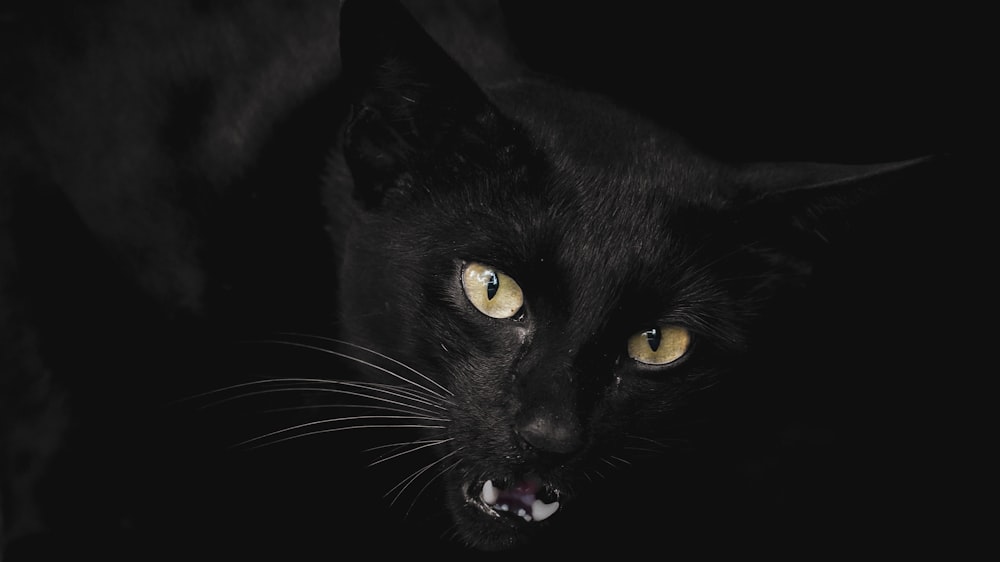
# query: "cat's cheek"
479,359
654,392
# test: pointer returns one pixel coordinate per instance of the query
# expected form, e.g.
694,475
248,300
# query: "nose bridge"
547,418
549,385
550,404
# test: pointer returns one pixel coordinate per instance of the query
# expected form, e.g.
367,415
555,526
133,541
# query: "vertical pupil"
653,337
492,285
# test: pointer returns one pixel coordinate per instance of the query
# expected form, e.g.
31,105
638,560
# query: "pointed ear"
779,177
411,101
793,216
816,197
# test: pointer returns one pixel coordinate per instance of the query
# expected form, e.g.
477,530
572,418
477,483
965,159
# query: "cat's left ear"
413,106
796,215
814,195
782,177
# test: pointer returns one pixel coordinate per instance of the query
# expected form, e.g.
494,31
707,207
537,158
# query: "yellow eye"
661,345
493,293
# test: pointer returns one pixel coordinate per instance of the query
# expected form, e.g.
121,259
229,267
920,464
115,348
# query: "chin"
489,530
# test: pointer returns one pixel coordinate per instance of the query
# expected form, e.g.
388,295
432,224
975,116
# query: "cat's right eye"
492,292
659,346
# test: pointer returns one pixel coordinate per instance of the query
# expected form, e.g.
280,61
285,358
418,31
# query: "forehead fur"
597,145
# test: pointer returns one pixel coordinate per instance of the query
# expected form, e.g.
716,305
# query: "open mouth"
529,498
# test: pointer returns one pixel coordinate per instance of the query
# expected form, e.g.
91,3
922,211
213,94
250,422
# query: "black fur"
209,209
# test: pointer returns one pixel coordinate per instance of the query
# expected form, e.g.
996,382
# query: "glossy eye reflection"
492,292
661,345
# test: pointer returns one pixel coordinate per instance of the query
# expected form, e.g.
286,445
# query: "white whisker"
373,352
423,445
348,418
253,383
405,483
413,407
428,483
366,363
365,407
402,443
334,430
429,399
607,461
654,441
643,449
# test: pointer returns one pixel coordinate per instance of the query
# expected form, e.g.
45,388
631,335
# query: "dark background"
833,82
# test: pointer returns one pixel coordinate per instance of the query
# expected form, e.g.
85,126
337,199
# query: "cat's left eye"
661,345
492,292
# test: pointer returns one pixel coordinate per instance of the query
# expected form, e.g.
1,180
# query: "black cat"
482,309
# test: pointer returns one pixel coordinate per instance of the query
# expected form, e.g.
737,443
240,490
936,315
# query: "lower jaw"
479,527
492,533
484,522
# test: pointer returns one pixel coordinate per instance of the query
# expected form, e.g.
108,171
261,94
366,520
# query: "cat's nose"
551,432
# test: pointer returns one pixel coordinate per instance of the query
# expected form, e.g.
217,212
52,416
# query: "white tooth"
541,510
489,494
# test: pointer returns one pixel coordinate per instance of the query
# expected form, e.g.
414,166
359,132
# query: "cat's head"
566,275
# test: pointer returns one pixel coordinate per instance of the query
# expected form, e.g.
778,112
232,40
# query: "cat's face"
563,306
559,278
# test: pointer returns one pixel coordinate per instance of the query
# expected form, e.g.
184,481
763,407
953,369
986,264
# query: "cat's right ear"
412,105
